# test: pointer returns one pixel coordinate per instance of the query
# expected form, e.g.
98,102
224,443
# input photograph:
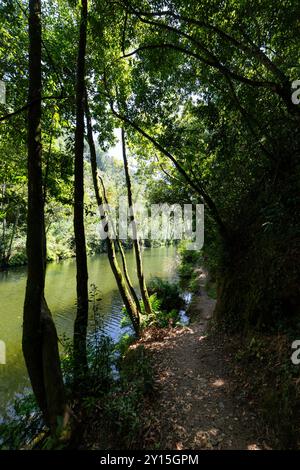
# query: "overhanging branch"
197,187
27,105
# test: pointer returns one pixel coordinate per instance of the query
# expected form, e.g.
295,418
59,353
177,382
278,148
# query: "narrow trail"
194,407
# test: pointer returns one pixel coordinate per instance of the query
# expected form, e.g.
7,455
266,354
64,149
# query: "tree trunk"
81,321
136,244
126,274
39,340
126,297
3,237
12,237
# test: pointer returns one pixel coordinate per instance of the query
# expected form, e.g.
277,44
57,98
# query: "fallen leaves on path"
193,406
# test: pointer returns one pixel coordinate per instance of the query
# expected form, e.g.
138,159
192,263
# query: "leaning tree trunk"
126,274
126,297
39,341
81,322
136,244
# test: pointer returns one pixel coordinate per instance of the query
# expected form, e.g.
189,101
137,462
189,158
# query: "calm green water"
61,294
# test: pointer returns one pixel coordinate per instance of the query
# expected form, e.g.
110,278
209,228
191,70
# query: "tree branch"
251,49
282,89
27,105
198,188
224,70
248,118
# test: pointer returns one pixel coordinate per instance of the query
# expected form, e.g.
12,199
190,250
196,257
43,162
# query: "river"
61,295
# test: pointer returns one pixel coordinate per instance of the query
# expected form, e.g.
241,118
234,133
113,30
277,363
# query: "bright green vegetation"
58,213
166,302
204,95
189,262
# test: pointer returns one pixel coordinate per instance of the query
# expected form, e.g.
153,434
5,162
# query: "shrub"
159,317
123,407
24,425
189,261
168,294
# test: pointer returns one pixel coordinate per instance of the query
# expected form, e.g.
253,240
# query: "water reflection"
61,295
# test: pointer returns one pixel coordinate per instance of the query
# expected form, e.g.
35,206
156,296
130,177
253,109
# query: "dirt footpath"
193,406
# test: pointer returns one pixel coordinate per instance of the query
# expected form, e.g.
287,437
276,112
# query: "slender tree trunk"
3,237
39,334
12,237
81,321
126,274
126,297
197,186
128,302
136,244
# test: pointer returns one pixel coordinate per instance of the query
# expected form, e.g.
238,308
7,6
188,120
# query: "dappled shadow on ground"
193,407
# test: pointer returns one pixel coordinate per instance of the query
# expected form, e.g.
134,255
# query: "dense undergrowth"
268,382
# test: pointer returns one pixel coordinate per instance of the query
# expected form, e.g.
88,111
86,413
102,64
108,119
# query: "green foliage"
118,383
118,378
125,401
190,260
25,424
55,441
100,354
211,290
168,293
210,84
159,317
155,303
193,285
126,340
165,300
281,408
19,258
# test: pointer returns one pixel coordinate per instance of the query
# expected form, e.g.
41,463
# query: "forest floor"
197,403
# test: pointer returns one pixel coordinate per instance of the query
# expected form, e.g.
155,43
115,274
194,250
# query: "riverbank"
61,297
193,387
57,254
215,390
